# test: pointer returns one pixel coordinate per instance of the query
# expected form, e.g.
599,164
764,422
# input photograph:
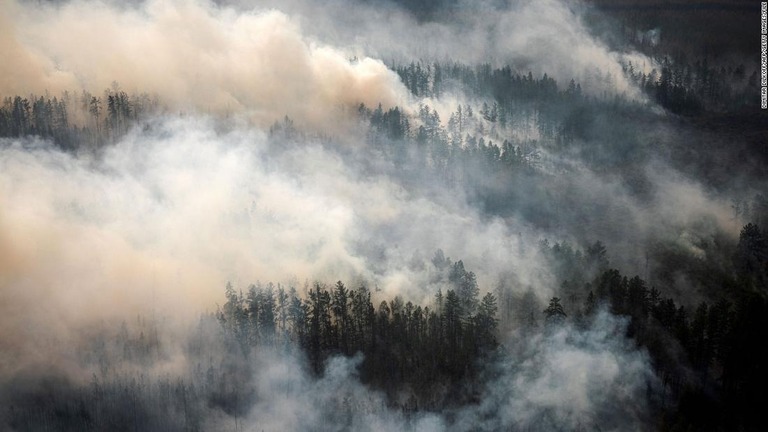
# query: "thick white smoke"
164,218
159,222
192,55
571,378
541,36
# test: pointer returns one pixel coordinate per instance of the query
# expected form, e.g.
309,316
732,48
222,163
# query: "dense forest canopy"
401,215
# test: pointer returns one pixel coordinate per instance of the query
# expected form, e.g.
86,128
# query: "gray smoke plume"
194,56
157,223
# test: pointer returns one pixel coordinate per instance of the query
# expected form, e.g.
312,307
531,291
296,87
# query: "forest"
482,215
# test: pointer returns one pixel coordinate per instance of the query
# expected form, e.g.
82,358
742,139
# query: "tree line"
401,342
74,121
705,354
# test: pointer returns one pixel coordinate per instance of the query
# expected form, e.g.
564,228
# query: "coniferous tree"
486,321
555,313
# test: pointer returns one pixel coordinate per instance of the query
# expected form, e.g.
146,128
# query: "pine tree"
555,313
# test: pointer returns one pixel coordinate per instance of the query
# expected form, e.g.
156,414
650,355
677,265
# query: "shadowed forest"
404,215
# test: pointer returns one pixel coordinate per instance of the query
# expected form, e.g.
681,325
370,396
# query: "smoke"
265,60
157,223
193,56
564,378
568,378
163,219
287,398
549,36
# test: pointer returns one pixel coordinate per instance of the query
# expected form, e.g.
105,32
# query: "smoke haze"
166,217
256,60
265,163
547,36
193,56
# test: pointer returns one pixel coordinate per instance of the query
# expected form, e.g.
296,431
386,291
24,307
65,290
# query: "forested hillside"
441,215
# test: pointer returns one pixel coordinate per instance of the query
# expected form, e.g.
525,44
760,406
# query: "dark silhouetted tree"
554,313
